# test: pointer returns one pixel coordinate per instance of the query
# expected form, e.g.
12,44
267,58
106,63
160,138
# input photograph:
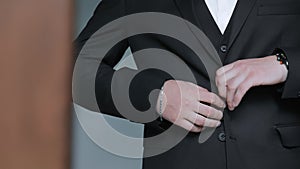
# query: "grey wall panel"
85,153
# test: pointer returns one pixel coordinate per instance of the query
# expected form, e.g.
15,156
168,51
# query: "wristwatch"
281,57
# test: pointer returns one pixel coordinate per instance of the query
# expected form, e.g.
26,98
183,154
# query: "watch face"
281,57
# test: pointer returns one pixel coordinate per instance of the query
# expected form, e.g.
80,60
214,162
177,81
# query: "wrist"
161,103
283,61
282,68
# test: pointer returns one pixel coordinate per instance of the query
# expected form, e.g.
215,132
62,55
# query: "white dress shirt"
221,11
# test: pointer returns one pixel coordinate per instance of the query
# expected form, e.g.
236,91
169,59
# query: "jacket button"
222,137
299,94
223,48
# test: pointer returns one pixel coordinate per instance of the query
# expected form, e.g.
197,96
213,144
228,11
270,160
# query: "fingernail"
218,124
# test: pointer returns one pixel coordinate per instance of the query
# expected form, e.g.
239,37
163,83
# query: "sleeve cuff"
291,88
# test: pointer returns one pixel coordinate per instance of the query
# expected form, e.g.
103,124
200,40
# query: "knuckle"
173,117
231,87
219,71
209,123
214,123
200,121
205,111
193,117
208,113
221,79
222,93
214,97
211,97
188,128
195,129
217,100
219,115
198,129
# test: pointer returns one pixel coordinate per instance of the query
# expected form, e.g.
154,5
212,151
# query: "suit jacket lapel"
188,12
240,15
185,7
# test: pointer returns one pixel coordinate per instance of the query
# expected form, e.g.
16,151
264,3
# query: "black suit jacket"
264,131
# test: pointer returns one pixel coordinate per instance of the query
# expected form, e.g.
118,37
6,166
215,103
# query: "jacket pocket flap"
285,9
289,135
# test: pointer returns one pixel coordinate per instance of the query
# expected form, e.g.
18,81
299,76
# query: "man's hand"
181,106
235,79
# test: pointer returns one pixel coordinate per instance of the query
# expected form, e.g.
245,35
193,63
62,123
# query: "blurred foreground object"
35,85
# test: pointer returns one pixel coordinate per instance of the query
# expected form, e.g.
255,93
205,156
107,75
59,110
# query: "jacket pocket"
279,9
289,135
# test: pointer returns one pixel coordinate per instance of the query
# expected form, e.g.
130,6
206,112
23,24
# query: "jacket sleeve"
106,12
140,86
292,85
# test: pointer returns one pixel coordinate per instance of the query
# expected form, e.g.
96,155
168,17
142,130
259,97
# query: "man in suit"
258,43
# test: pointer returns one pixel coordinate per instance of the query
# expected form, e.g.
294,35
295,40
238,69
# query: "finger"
207,111
189,126
232,86
224,69
222,81
221,85
241,91
211,98
199,120
222,90
202,89
229,96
